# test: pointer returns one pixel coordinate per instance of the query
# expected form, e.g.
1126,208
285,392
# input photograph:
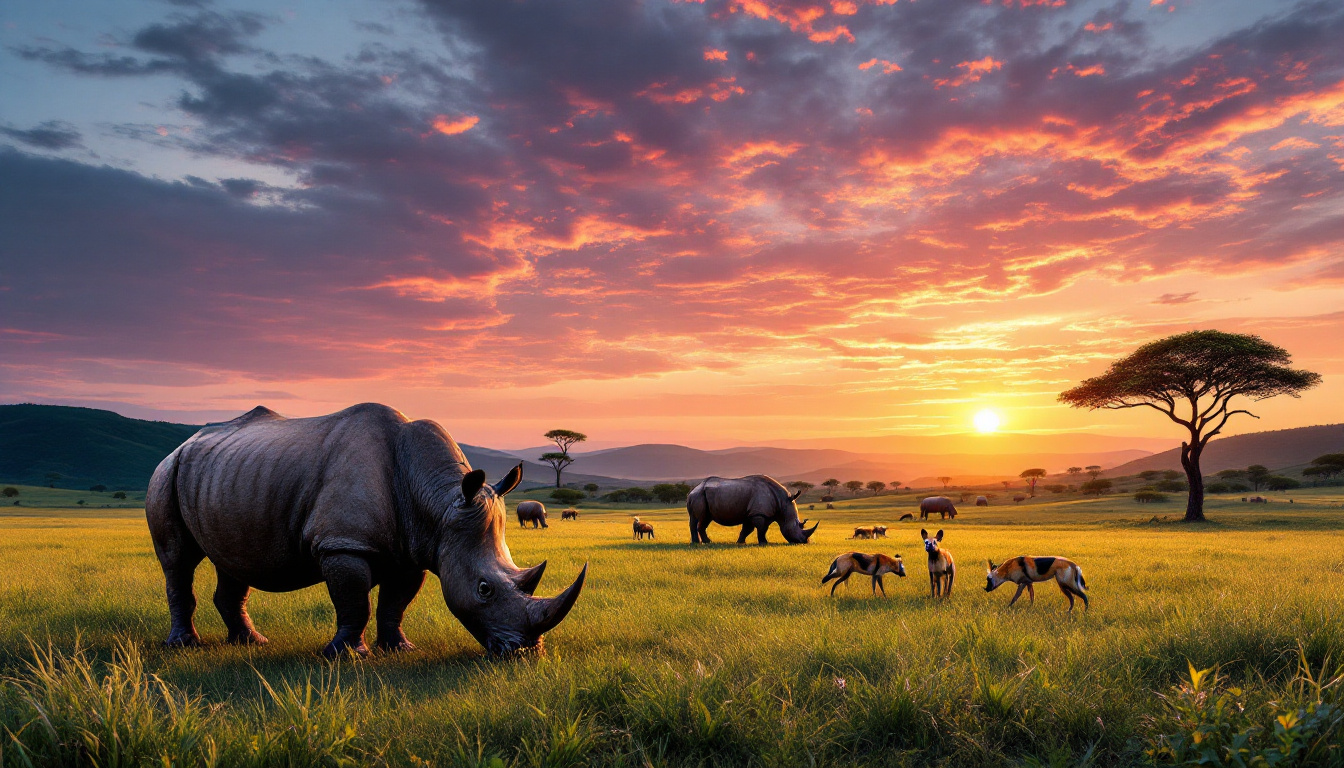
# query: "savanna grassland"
716,655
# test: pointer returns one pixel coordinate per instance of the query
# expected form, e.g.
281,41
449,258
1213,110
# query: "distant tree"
558,462
1257,474
1218,487
1148,497
1193,378
1096,486
1074,471
944,481
1172,486
630,495
1032,476
567,495
592,487
1170,474
1326,466
831,484
119,495
1230,474
1150,474
1281,483
10,492
53,478
81,502
876,486
801,485
1093,471
1056,488
671,493
564,438
98,488
895,485
854,486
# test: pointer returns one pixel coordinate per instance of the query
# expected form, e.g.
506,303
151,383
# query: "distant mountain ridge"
1274,449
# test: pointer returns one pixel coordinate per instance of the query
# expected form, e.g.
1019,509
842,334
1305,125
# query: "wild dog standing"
874,565
879,531
643,529
862,533
942,571
569,514
1022,571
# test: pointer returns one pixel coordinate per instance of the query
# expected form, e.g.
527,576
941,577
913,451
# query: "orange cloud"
451,126
712,54
887,66
971,72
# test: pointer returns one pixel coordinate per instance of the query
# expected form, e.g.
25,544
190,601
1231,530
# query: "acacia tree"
876,486
1073,471
1093,471
801,485
563,439
831,484
1032,476
1193,378
944,481
854,486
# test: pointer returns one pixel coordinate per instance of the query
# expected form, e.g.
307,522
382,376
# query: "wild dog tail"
1081,581
834,572
951,577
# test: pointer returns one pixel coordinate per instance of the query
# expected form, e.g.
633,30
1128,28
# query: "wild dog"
862,533
643,529
942,571
879,531
874,565
907,516
1023,571
569,514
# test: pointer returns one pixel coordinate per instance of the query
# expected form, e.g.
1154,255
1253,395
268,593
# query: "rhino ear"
510,481
472,482
795,496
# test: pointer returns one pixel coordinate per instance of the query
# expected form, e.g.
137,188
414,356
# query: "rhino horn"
807,532
527,579
547,612
510,481
795,496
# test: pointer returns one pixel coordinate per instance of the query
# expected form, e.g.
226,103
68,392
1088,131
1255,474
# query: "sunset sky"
714,223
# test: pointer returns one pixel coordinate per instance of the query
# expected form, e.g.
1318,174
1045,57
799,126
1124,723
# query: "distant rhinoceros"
937,505
981,501
356,498
754,501
532,512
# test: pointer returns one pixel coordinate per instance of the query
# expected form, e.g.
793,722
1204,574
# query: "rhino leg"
349,579
704,531
179,554
747,528
231,602
394,597
761,527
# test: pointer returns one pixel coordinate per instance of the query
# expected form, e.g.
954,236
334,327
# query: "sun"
987,421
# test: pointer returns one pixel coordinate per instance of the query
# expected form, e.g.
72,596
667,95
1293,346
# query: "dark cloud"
52,134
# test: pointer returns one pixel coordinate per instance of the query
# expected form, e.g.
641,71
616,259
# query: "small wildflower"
840,683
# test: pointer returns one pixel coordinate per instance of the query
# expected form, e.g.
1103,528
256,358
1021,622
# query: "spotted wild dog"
643,529
879,531
862,533
874,565
1023,571
942,571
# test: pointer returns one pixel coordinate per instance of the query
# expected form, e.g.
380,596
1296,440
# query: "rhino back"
731,501
263,495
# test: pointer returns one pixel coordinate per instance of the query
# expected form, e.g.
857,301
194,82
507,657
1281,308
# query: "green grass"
718,655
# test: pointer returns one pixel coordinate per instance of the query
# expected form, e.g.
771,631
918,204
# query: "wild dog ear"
940,535
472,482
923,534
991,564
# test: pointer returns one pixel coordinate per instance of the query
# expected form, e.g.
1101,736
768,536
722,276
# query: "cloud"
53,135
1176,298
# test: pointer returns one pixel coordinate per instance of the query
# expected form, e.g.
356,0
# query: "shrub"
567,495
630,496
1056,488
1148,497
10,492
1281,483
591,488
98,488
1173,486
828,499
1217,488
119,495
1099,486
671,493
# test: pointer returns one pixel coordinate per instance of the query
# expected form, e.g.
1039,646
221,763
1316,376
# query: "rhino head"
484,589
795,532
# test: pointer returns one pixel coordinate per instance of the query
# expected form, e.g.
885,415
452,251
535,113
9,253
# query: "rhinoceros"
754,501
358,498
937,505
532,511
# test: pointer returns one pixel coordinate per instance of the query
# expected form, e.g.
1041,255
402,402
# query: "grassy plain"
719,655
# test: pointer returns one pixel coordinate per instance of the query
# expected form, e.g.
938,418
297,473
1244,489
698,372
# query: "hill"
1275,449
85,446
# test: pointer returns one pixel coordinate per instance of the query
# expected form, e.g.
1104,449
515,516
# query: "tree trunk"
558,470
1194,505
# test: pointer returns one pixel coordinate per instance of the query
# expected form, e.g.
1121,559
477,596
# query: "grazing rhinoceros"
754,501
937,505
533,512
356,499
981,501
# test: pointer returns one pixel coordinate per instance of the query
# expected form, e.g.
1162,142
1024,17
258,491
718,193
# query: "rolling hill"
1276,449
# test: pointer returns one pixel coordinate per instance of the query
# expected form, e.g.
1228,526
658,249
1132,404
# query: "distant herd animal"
365,497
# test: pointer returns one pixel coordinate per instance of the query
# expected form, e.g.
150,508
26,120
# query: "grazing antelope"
569,514
875,565
879,531
942,571
1023,571
643,529
863,533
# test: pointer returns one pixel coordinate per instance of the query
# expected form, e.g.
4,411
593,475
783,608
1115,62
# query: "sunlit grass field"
718,655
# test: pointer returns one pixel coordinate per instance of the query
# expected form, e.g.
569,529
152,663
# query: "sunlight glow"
986,421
